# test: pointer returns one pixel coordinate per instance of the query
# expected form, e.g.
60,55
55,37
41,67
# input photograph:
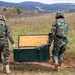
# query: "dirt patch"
68,61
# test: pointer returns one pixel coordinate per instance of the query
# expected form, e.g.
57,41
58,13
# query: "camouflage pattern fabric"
59,31
4,46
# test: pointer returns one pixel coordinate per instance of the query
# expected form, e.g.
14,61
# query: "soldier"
4,47
59,35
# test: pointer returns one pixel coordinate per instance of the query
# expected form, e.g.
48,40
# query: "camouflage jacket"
5,32
59,28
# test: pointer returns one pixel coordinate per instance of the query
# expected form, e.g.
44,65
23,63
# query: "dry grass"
40,25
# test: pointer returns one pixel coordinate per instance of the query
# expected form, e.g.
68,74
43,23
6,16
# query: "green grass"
39,70
41,25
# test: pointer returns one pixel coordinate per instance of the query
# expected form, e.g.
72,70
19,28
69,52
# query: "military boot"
59,68
7,70
1,67
56,66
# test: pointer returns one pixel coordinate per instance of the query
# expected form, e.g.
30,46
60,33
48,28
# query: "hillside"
36,6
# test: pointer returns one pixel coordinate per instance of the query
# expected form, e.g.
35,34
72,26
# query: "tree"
19,11
4,9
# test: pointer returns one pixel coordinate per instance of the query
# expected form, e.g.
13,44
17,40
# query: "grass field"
38,70
40,25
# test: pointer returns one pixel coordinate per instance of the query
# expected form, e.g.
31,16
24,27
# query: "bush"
19,11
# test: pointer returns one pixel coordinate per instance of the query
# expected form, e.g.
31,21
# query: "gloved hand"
13,45
49,44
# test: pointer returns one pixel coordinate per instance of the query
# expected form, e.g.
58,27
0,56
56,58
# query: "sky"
42,1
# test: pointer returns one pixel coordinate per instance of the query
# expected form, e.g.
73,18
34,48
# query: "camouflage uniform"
59,34
4,36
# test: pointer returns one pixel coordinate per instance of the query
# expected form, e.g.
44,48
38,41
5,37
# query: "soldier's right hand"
13,45
49,44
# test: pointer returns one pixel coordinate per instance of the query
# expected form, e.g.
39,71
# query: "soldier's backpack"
61,28
2,30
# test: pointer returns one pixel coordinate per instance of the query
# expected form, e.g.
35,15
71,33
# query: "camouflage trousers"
4,49
59,49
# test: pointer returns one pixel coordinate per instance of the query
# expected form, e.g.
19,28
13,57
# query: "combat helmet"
59,14
2,17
